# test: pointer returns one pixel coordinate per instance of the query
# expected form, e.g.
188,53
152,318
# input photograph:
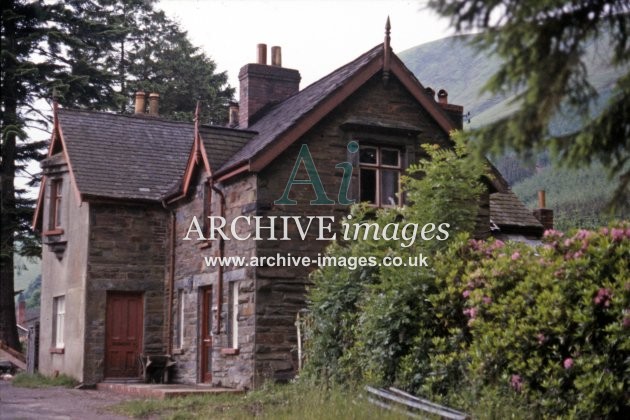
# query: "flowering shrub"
550,323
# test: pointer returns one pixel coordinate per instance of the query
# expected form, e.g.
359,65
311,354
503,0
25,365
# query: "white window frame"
234,314
59,315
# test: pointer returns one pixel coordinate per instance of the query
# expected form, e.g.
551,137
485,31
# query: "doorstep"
162,391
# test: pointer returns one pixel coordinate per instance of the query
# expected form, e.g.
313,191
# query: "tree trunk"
8,328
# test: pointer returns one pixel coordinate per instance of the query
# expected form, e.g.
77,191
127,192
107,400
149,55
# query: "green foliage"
551,324
297,400
36,380
543,45
363,321
578,197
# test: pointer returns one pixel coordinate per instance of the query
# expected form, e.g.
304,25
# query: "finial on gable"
387,49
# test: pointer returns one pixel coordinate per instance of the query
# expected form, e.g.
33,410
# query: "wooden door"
206,334
123,332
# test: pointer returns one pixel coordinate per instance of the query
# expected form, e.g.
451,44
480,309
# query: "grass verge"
270,402
36,380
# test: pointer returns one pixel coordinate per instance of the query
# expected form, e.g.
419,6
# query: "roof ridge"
136,117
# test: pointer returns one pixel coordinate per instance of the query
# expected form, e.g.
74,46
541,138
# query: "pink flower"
470,312
603,297
487,300
568,363
541,338
577,255
516,256
516,382
466,294
582,234
626,323
617,234
604,231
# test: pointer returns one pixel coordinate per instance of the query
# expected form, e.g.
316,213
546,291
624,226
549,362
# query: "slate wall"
191,274
127,252
281,291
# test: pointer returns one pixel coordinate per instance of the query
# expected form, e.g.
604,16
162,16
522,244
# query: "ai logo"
304,157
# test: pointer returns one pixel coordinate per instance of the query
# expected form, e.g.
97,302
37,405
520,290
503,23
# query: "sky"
316,36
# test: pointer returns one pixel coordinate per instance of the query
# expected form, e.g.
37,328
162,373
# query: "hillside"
577,196
459,68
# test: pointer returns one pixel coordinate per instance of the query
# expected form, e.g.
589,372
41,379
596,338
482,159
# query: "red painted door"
123,334
206,334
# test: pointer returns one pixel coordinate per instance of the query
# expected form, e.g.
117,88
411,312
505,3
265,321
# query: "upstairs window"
379,175
54,217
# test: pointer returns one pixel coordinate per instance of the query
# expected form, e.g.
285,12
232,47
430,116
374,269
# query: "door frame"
140,347
205,325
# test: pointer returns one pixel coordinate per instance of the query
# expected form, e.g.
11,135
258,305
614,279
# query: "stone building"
128,274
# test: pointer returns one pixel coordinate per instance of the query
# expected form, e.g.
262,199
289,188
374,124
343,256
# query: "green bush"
364,321
551,323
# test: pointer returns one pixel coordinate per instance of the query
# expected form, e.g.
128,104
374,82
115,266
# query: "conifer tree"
543,45
92,54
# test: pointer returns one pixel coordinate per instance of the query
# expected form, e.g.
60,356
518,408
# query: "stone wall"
127,252
281,291
230,368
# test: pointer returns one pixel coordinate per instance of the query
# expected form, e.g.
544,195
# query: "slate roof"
123,156
509,213
287,113
222,143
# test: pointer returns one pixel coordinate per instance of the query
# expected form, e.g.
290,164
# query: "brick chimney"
544,216
454,112
154,104
139,104
262,84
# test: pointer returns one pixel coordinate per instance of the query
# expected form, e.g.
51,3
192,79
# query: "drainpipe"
220,268
171,283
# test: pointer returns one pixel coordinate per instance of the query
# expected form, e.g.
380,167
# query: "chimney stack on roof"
139,103
443,96
276,56
262,54
430,92
154,103
544,215
263,85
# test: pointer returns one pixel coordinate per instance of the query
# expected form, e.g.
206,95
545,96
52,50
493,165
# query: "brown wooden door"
123,334
206,334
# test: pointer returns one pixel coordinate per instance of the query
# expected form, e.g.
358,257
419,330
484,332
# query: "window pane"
390,157
368,185
367,155
389,188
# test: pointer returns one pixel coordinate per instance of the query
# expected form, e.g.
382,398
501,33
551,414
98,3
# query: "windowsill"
229,351
57,350
178,352
54,232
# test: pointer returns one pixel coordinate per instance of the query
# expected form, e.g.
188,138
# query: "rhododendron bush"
549,323
544,328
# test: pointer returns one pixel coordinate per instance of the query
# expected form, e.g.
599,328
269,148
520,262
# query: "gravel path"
56,403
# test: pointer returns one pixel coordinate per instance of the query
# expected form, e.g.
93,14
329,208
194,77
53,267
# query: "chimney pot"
262,54
139,104
154,103
541,199
430,92
442,96
276,56
233,116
